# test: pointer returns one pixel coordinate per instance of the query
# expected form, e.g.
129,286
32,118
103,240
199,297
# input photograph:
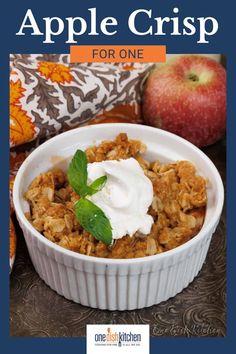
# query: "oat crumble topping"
178,206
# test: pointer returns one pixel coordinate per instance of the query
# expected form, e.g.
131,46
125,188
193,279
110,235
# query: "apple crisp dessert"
178,205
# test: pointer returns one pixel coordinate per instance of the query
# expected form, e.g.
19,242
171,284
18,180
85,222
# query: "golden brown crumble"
178,206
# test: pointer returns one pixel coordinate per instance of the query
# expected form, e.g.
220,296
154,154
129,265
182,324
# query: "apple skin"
187,96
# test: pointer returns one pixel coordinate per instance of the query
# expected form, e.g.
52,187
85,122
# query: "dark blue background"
11,16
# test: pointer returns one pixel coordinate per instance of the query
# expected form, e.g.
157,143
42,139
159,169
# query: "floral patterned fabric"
48,95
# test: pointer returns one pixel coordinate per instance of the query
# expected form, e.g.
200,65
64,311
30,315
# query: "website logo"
130,339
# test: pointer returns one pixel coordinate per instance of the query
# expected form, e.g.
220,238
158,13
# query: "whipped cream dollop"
126,196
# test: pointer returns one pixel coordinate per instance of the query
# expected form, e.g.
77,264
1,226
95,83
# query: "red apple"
187,96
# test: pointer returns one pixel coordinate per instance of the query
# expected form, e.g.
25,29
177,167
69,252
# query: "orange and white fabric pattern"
47,98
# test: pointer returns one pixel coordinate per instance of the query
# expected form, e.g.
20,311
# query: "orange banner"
118,53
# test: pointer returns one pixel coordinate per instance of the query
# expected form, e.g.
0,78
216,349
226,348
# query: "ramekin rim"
189,244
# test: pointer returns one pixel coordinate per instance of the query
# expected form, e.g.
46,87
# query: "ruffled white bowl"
117,284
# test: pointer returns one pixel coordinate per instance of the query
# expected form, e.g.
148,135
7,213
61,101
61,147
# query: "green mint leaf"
77,173
97,185
93,220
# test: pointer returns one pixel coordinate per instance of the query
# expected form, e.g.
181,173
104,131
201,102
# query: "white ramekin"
117,284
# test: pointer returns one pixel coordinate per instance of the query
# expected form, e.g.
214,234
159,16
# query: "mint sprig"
77,173
93,220
78,176
98,184
90,216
